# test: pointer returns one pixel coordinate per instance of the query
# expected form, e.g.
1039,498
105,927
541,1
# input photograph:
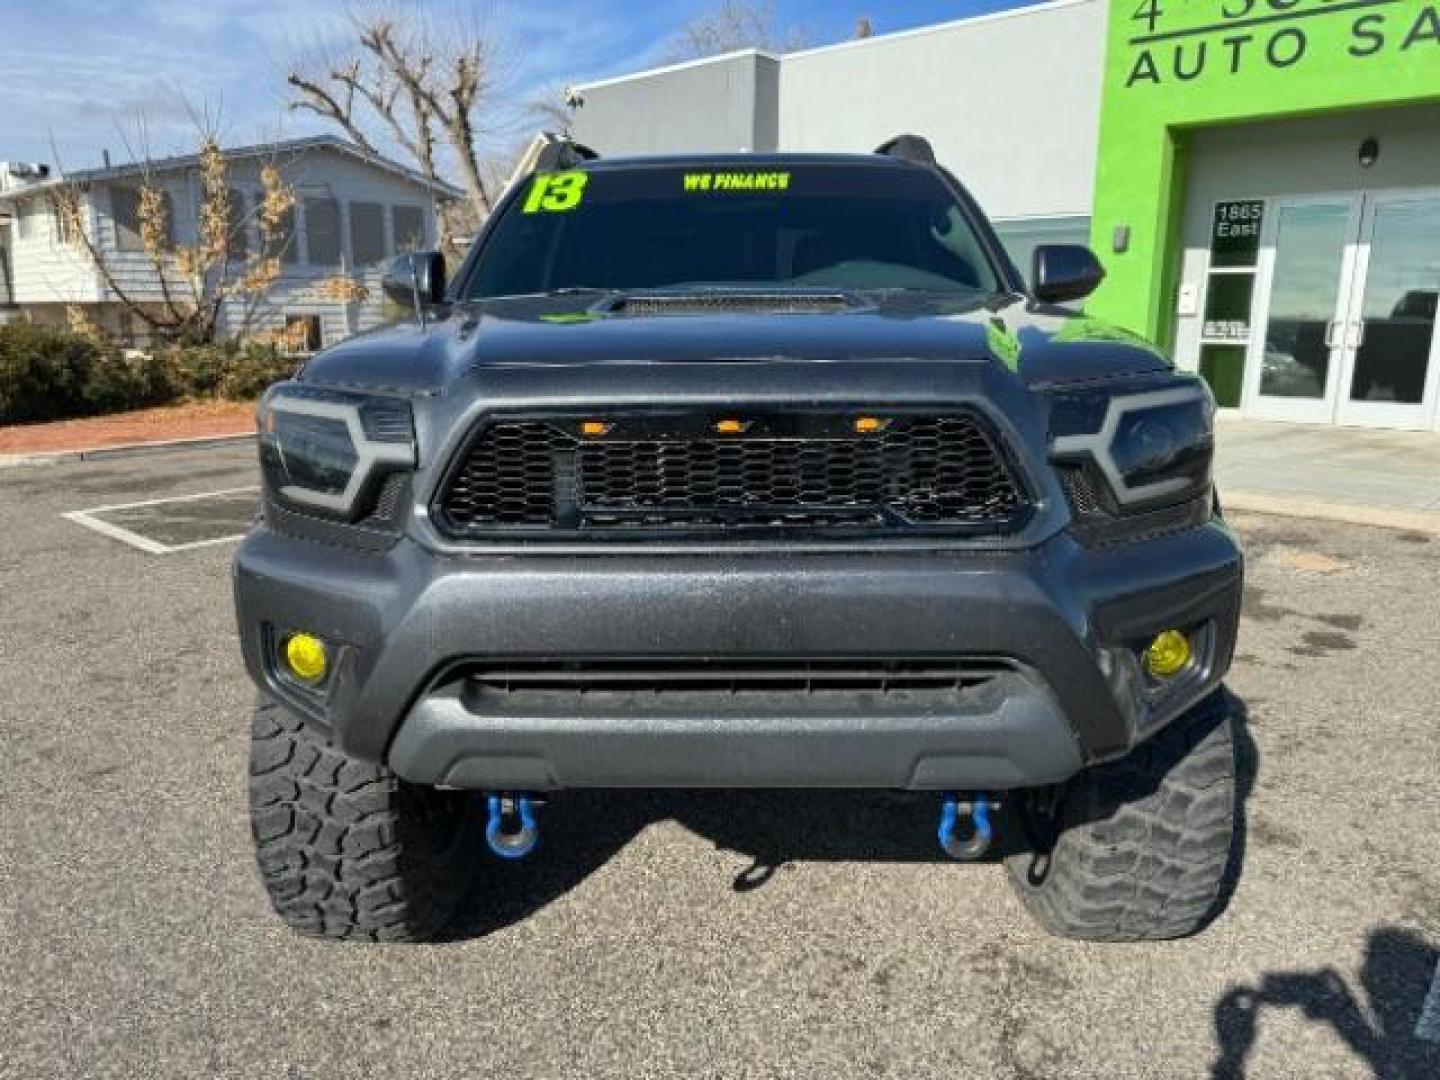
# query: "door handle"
1330,328
1357,333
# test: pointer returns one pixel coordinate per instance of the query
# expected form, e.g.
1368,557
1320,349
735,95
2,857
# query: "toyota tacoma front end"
741,472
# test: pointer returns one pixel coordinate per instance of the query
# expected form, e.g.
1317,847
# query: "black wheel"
1135,850
347,849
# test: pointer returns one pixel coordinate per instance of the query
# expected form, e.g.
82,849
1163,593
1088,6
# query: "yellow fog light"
306,657
1169,654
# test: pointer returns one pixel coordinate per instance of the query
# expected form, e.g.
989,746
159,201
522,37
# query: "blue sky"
81,71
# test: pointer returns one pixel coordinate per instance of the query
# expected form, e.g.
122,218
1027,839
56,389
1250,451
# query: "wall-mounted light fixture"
1369,152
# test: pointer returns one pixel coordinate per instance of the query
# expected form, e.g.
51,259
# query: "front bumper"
1065,623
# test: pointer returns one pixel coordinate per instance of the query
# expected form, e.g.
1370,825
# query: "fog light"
306,658
1169,654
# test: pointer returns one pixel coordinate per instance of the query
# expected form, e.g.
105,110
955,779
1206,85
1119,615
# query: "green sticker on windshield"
569,318
737,181
556,192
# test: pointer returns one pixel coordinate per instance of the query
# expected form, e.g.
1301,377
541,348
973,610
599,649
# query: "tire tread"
1145,841
339,842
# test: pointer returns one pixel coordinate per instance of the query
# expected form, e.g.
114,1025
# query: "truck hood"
1039,345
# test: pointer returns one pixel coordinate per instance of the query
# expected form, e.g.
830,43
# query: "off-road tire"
347,849
1138,849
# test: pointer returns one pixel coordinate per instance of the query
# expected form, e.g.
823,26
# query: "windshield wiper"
564,290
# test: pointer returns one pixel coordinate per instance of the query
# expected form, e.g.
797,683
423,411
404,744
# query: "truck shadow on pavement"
583,830
1397,972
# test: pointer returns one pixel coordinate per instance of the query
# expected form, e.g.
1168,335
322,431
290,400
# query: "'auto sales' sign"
1228,37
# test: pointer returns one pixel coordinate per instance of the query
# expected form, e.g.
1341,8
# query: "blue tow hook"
972,816
504,839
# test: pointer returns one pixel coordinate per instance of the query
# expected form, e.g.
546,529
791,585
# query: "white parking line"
88,519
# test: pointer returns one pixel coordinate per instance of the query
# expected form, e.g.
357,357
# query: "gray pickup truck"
740,472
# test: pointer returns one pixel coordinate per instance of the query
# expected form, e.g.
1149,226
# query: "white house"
353,210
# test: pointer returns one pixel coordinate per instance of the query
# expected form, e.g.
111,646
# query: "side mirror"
416,280
1065,272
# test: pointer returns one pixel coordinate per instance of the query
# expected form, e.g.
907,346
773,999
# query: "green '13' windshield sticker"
555,192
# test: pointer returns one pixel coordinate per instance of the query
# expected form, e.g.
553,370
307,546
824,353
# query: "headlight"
1130,454
325,452
1160,447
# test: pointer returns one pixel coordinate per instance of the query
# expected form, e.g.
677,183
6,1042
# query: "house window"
281,243
63,232
322,231
367,233
125,206
7,284
27,219
236,225
302,333
409,222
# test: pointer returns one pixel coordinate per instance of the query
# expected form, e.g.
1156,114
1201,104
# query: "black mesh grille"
388,500
676,474
509,477
1084,497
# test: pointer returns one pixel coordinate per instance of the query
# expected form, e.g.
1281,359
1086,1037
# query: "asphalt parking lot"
811,935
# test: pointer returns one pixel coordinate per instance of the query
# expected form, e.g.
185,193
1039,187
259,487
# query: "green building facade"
1267,199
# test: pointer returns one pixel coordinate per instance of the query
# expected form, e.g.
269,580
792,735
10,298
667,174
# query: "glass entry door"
1345,305
1391,363
1307,258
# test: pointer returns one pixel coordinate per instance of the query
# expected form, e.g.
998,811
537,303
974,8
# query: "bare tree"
193,281
732,25
408,83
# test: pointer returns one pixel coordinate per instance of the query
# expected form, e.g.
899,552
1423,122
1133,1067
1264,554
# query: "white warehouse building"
1010,101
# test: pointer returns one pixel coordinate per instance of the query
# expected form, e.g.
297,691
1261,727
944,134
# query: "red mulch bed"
198,420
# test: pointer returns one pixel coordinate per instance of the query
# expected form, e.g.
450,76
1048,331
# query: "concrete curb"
1383,517
56,457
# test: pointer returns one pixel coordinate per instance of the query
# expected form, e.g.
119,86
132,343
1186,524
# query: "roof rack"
915,149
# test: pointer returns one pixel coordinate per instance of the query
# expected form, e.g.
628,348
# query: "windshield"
799,226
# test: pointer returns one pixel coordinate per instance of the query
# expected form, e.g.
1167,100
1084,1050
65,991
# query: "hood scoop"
746,303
